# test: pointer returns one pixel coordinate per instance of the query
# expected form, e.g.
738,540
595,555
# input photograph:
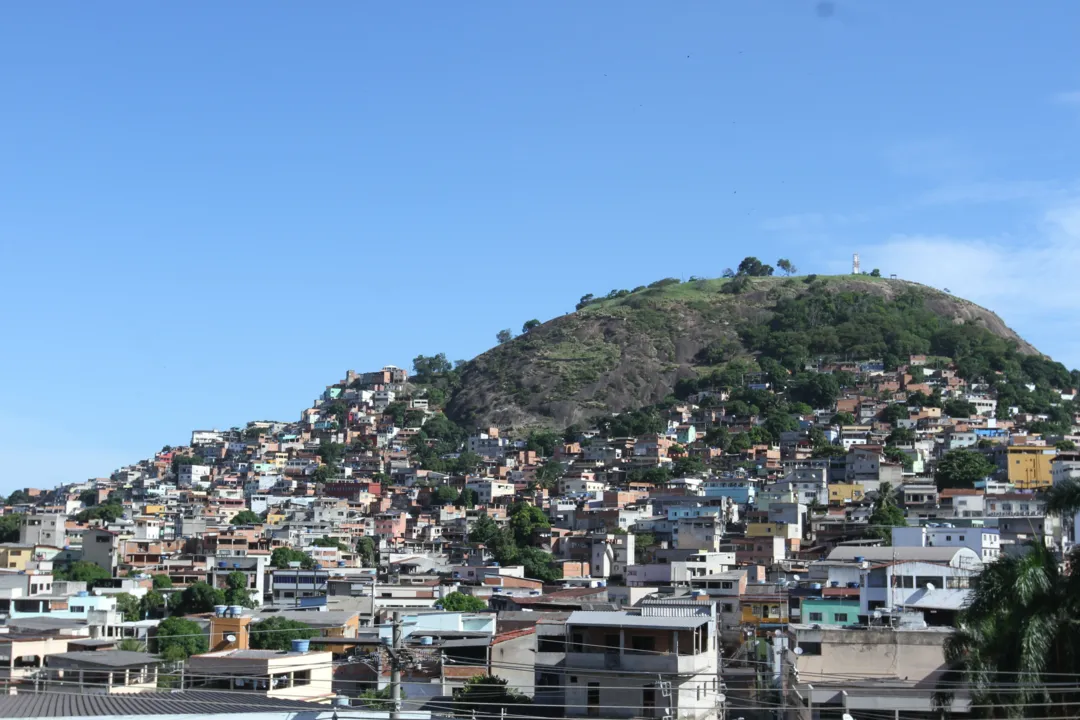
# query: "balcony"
641,662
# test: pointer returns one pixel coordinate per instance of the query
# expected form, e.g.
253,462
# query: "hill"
634,348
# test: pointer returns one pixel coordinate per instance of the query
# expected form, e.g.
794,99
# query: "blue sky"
208,211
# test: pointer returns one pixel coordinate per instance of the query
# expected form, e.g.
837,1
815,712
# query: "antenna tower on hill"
855,264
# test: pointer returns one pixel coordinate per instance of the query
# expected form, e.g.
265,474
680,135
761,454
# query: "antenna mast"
855,264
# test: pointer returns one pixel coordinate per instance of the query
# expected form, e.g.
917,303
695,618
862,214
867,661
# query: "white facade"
488,491
984,541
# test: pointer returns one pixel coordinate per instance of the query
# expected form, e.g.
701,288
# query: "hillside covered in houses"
685,480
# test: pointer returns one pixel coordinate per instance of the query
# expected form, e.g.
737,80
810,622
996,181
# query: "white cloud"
1030,281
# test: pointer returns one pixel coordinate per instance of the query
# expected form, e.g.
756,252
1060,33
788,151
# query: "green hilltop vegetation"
637,347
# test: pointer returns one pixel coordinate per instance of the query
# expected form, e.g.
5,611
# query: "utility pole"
395,668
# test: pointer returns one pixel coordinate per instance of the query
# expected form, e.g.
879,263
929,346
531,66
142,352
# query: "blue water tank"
860,558
300,645
815,586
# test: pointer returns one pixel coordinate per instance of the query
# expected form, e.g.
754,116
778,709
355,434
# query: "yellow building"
15,557
772,529
844,493
764,609
154,510
275,517
1025,466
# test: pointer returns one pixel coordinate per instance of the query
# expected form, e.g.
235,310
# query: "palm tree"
1017,640
1063,498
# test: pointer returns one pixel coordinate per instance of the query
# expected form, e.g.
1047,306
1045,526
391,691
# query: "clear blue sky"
208,210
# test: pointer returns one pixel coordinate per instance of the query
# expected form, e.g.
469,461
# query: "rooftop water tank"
426,640
301,646
236,610
219,610
860,558
82,593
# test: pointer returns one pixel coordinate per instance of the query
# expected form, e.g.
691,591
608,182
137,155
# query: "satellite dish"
795,578
798,651
877,614
846,716
929,586
230,638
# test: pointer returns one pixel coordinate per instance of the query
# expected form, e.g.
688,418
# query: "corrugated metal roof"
188,702
620,619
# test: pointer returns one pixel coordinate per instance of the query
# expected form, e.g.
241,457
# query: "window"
816,617
840,617
728,607
643,643
725,585
648,699
961,538
810,648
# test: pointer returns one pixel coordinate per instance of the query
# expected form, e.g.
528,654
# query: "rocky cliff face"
622,353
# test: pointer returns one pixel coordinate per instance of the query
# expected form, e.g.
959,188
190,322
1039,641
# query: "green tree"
818,390
740,443
549,474
236,591
538,564
484,530
529,325
842,418
331,453
19,497
82,571
959,409
426,369
161,582
900,436
467,498
460,602
282,556
525,520
687,466
152,605
785,265
444,495
128,606
246,517
109,512
9,527
718,437
504,336
1016,639
895,412
875,273
365,548
487,696
328,542
178,638
199,597
380,699
886,515
277,633
88,497
543,442
643,542
962,469
1067,445
752,267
